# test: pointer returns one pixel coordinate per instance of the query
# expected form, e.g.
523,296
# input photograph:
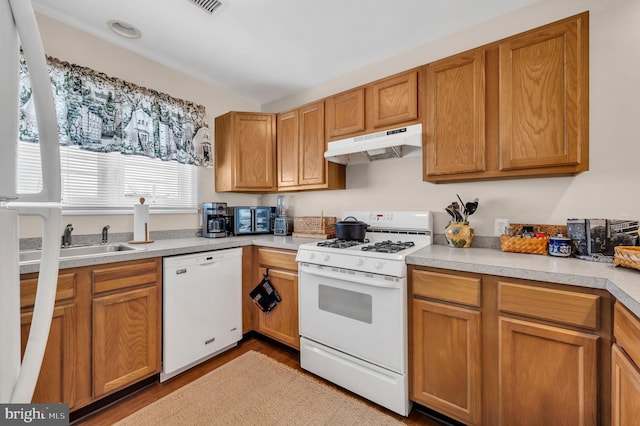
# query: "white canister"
560,246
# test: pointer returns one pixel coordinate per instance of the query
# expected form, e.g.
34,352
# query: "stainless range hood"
393,143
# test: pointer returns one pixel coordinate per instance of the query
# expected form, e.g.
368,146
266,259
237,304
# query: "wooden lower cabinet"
57,374
625,389
625,368
105,332
548,375
447,359
125,339
281,323
503,351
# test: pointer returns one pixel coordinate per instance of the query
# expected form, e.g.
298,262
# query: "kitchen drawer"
550,304
626,330
447,287
120,276
66,289
280,259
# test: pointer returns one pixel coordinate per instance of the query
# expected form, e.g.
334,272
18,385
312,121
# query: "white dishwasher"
202,308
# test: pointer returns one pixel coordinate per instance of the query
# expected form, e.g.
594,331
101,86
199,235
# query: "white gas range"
353,306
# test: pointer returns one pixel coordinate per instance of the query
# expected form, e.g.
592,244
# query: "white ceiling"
265,50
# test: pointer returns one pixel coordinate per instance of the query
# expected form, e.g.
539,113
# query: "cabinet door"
446,360
282,322
287,149
625,389
547,375
57,374
254,151
312,164
455,94
345,113
126,343
543,97
395,100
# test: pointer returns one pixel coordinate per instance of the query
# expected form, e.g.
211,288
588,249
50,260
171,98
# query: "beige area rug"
254,389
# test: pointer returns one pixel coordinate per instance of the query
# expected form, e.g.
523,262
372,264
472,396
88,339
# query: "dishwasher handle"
212,258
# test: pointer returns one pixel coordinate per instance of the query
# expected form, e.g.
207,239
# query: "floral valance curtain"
104,114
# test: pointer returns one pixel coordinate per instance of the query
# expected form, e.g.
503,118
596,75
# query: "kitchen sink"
79,251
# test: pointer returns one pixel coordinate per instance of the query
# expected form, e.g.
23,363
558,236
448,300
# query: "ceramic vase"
459,234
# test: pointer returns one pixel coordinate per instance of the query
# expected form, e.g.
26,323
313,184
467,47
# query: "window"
99,118
112,182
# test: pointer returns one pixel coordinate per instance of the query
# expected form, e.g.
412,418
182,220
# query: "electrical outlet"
500,226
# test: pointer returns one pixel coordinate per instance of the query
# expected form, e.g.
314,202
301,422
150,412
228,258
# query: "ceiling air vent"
207,5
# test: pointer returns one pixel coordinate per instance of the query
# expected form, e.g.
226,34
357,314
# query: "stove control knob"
379,264
312,256
326,257
360,262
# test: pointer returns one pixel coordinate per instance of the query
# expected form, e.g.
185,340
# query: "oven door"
361,314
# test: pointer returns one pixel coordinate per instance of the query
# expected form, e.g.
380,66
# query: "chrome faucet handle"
105,234
66,236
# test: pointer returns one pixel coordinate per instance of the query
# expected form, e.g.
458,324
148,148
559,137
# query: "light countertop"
172,247
622,283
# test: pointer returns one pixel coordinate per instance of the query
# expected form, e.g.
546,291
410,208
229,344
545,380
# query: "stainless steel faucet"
66,237
105,234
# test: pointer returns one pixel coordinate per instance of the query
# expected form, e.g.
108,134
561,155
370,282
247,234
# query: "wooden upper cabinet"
345,113
312,145
515,108
300,147
245,152
455,98
287,149
383,104
543,97
395,100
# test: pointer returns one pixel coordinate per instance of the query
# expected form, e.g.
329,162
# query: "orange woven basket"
626,256
524,245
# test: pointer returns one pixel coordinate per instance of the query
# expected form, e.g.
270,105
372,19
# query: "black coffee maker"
214,220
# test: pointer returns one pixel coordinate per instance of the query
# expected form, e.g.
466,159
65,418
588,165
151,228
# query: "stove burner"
389,246
337,243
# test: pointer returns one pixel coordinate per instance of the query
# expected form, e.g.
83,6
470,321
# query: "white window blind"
112,182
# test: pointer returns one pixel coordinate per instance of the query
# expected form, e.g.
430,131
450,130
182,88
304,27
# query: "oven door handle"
347,277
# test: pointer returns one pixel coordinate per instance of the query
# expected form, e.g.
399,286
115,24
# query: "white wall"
608,189
74,46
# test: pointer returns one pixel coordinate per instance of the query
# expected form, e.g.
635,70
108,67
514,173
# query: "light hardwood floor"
284,355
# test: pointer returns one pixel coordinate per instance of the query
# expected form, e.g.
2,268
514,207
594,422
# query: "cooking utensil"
456,209
462,204
470,208
351,229
451,213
